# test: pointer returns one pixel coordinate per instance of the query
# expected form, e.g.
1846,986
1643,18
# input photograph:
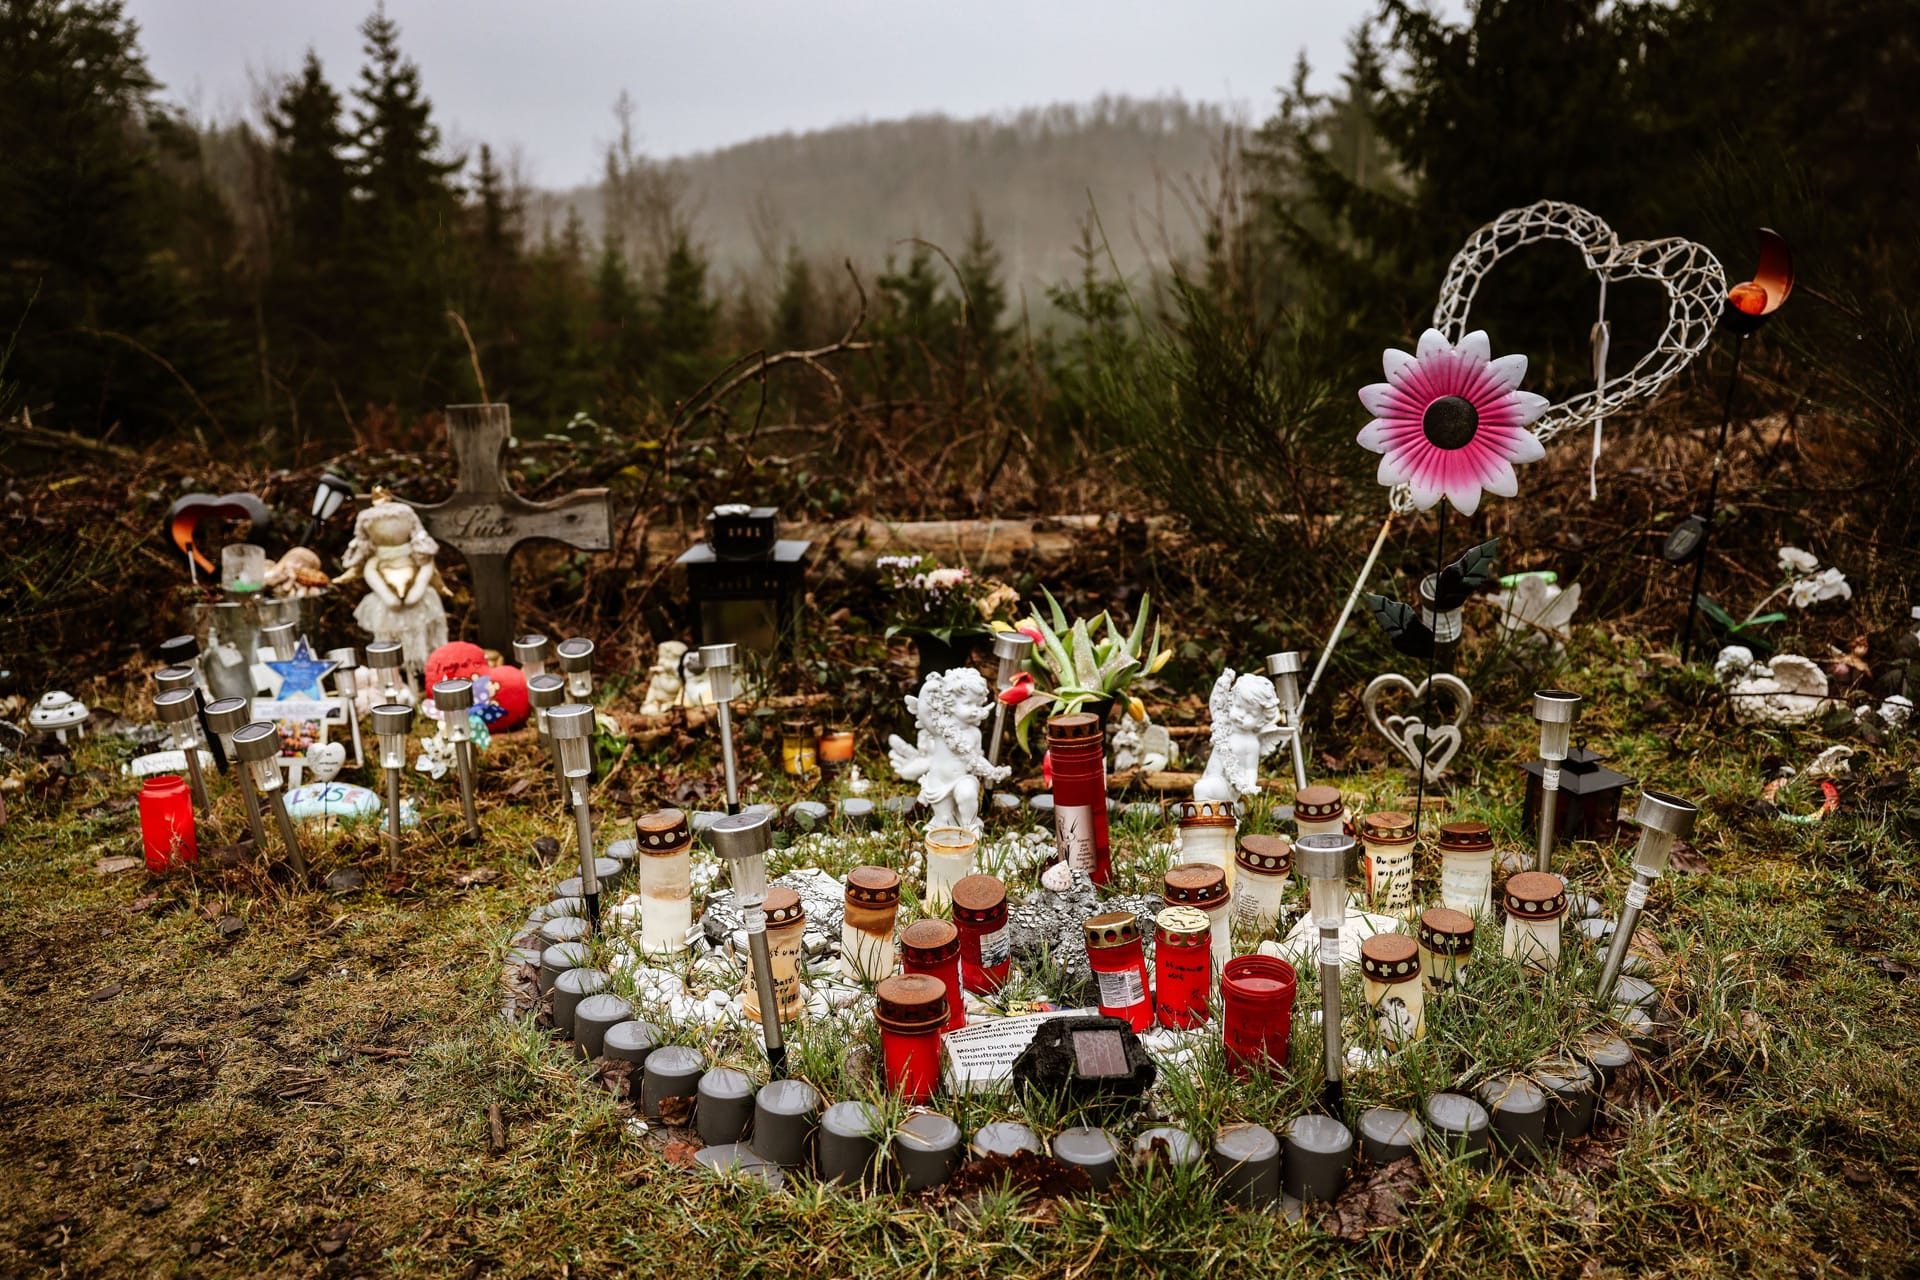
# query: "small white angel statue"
1246,729
403,584
948,761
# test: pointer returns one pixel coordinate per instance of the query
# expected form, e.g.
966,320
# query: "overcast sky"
540,76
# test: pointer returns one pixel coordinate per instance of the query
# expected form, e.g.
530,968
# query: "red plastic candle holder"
1256,996
166,823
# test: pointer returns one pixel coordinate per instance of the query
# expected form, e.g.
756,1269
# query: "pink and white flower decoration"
1452,421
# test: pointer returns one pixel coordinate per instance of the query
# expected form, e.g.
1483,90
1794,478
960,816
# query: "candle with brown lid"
1120,967
665,845
1387,840
1076,754
1446,942
866,929
1319,810
1264,864
980,914
1535,902
786,926
1207,829
912,1012
1203,885
1390,965
932,947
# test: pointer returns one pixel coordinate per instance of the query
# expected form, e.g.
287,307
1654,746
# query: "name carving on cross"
485,521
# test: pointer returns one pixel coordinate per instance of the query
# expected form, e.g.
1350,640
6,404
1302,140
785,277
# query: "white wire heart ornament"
1688,273
1428,748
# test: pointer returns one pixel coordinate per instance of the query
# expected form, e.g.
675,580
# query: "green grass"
219,1112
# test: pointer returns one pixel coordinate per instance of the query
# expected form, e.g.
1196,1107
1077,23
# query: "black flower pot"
939,655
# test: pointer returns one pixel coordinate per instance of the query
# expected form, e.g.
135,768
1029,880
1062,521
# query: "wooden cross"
484,520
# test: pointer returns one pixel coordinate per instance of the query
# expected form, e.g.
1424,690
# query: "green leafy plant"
1081,661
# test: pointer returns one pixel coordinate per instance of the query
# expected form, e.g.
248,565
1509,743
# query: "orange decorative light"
1749,304
1748,297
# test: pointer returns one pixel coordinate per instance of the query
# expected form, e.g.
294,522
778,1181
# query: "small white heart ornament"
1428,748
326,760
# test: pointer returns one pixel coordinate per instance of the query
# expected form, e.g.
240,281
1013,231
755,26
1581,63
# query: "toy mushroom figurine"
59,714
403,584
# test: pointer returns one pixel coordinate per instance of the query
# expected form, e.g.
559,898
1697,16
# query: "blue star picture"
300,676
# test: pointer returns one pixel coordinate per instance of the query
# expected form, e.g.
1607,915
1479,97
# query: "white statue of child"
1246,729
949,761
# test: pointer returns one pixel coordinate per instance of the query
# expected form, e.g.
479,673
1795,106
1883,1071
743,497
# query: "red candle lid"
979,899
1390,957
1195,884
783,907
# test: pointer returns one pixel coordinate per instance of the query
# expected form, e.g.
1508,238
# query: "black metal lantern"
745,579
1589,805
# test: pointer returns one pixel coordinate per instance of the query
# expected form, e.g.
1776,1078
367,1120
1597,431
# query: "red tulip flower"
1019,691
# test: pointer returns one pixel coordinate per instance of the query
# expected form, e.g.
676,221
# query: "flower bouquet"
942,603
1079,664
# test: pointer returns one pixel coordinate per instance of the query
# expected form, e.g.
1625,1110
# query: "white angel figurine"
1246,729
403,584
948,760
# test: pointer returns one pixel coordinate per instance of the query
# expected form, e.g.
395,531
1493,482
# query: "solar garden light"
184,651
226,717
181,714
389,659
1011,649
743,839
454,699
1663,819
716,660
576,663
391,723
530,654
1323,859
346,679
1556,710
1285,668
328,497
572,729
280,638
258,747
545,692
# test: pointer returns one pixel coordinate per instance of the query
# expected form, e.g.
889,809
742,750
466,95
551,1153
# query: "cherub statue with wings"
948,761
1246,729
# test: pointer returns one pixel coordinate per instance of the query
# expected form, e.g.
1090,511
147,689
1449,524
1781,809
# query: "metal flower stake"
1449,422
1285,669
391,723
1011,652
743,840
530,654
1322,859
258,747
454,699
346,682
1556,710
1663,819
545,692
572,730
1746,308
716,661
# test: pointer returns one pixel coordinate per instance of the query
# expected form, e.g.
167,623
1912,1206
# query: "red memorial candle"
166,822
1076,751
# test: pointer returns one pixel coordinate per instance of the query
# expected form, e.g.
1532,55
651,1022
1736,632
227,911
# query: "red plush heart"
462,660
510,691
188,513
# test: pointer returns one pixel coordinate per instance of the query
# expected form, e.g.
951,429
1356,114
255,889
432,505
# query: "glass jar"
166,823
932,947
786,926
1182,966
1387,861
1207,832
1466,867
1535,902
243,568
1256,1001
1119,967
1076,753
866,927
835,751
1446,944
1319,811
1390,968
980,914
799,749
949,858
665,842
912,1012
1265,863
1203,885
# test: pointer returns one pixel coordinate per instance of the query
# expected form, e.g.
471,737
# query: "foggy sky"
539,77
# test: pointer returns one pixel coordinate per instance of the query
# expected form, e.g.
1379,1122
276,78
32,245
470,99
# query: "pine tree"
981,278
685,317
796,312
